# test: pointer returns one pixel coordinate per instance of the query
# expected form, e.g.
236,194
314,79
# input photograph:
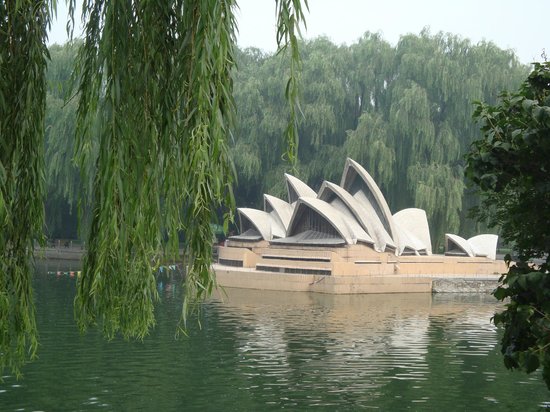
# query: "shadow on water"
263,350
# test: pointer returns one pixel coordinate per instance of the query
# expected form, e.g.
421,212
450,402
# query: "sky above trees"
508,23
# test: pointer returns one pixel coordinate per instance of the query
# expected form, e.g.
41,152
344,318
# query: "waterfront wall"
464,285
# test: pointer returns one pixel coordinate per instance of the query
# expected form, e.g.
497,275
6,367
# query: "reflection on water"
261,350
325,348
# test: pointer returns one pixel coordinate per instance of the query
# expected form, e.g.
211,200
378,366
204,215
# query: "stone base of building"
355,269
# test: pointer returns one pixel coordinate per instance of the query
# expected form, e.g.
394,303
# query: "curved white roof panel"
279,209
409,243
362,187
296,189
481,245
255,219
456,245
316,215
484,245
414,223
346,203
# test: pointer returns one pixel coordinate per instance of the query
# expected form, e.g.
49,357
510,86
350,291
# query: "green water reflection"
267,351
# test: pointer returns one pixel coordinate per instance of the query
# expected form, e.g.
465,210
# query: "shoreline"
435,284
59,253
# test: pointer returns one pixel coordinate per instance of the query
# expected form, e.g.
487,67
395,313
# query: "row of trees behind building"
404,112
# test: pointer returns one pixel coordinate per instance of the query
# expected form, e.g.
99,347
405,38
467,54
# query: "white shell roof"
379,213
346,227
481,245
354,211
282,209
460,242
296,189
485,245
413,224
262,221
368,221
408,240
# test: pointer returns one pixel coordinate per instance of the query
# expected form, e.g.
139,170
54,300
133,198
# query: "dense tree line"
62,175
402,111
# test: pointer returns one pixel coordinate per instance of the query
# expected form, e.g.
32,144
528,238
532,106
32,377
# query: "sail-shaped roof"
317,222
296,189
457,245
278,209
254,224
346,203
484,245
357,182
414,232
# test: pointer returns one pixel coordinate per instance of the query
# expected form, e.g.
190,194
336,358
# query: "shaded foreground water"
270,350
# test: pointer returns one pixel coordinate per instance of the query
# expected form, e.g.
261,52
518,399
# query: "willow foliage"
370,145
155,110
158,75
290,15
23,58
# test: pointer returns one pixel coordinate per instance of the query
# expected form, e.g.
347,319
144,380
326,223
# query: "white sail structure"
353,212
296,189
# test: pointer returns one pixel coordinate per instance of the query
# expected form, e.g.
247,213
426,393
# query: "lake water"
260,351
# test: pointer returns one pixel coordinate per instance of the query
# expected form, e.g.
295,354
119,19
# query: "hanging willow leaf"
23,57
154,114
156,85
163,95
290,15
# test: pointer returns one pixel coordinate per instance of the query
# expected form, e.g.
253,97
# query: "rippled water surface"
261,350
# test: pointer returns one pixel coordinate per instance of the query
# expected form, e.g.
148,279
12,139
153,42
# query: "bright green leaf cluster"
526,320
510,167
511,164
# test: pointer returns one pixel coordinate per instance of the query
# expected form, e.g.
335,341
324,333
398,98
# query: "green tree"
155,90
62,175
510,166
23,60
436,77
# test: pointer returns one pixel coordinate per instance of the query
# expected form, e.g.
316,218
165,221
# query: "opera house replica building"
344,239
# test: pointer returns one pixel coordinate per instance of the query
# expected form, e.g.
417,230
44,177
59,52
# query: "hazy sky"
510,24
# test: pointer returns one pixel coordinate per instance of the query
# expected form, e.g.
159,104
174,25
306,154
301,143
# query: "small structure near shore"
344,239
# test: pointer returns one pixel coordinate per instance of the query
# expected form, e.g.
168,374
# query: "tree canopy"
510,166
404,112
155,108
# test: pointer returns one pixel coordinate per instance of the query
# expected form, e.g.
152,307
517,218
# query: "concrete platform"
248,278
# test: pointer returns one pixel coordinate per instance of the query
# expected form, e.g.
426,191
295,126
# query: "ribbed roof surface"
355,211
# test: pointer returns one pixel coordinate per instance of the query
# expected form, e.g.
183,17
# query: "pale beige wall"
250,279
360,259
